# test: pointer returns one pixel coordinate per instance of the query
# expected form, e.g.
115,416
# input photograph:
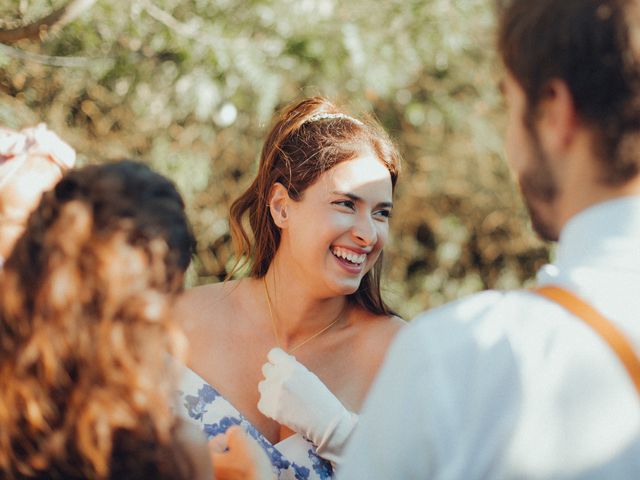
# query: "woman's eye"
383,214
345,203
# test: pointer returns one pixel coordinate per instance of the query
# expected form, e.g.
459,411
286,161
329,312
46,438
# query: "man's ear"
557,119
279,201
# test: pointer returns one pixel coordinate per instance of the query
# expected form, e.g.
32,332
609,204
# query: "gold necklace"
275,330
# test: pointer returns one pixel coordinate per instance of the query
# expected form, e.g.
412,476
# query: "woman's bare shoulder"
379,325
212,292
208,303
366,349
376,332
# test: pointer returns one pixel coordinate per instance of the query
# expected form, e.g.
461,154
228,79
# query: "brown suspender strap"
603,327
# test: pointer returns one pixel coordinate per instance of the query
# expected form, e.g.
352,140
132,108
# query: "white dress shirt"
509,385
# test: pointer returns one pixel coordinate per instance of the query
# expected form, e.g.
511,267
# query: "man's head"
31,162
585,50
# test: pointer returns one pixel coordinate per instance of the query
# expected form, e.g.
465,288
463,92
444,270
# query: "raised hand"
297,398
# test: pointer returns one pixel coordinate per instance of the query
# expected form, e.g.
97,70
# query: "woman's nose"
364,231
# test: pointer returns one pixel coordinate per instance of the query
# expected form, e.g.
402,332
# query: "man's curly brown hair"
85,337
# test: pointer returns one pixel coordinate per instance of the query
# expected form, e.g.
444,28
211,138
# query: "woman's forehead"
363,173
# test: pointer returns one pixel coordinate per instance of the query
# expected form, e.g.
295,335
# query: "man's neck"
578,197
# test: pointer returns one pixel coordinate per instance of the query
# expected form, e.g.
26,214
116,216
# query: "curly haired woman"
84,332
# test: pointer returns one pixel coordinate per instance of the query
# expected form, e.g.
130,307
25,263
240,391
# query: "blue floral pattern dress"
293,458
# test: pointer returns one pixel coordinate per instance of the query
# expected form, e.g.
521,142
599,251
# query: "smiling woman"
318,212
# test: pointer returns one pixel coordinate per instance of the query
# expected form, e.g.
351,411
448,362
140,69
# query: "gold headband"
332,116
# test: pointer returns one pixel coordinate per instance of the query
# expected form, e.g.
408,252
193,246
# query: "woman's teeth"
355,258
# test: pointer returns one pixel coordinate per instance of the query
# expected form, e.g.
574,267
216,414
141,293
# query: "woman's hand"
236,456
297,398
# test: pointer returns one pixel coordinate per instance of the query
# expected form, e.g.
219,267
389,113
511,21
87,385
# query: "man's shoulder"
478,306
472,340
473,319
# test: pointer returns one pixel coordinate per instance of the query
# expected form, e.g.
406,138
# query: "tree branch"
167,19
54,21
64,62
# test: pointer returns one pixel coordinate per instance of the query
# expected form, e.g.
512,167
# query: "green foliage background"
189,86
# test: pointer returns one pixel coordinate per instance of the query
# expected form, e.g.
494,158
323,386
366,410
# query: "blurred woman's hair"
307,139
84,329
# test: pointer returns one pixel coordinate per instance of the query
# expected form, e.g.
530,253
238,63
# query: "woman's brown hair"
84,330
307,139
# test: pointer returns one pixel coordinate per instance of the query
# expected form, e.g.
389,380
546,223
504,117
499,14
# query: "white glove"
295,397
